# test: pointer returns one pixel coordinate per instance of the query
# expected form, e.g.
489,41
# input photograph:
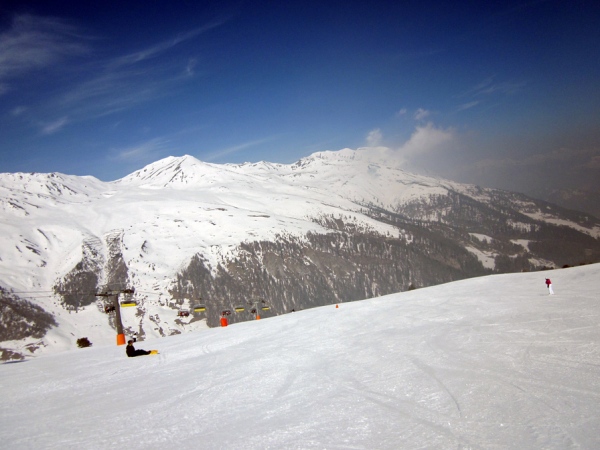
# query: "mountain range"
183,241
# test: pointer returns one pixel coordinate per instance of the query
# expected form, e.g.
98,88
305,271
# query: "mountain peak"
172,170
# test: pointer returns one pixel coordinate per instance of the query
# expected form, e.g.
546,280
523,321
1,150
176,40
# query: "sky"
501,94
486,363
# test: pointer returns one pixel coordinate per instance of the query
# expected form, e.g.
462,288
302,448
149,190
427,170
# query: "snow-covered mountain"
335,226
487,363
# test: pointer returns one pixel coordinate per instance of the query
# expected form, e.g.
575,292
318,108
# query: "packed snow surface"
485,363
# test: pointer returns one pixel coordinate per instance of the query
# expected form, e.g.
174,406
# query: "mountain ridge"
335,226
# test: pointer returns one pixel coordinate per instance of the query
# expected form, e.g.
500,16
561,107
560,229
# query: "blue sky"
505,94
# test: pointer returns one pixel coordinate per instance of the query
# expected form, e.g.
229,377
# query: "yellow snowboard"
154,352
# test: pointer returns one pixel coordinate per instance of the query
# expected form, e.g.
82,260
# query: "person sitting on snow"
131,351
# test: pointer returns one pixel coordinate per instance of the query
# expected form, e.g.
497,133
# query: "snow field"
492,362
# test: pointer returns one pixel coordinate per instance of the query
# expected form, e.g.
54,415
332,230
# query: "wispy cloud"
490,86
161,47
505,87
374,138
126,81
238,148
98,88
421,114
467,105
190,67
487,89
53,127
151,149
32,43
111,92
18,111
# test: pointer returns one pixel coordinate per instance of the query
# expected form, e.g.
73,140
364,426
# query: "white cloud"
55,126
466,106
125,81
34,42
374,138
111,92
421,114
161,47
189,69
238,148
426,139
18,111
488,89
491,86
402,112
141,151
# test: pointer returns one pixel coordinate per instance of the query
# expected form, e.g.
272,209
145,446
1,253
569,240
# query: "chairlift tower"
117,305
255,304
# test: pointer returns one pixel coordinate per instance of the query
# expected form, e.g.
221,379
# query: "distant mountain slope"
335,226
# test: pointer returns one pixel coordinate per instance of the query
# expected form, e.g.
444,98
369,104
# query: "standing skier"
549,284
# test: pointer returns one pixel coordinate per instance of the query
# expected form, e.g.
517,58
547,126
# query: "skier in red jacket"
549,284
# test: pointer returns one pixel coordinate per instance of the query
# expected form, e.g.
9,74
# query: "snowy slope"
158,218
490,363
165,214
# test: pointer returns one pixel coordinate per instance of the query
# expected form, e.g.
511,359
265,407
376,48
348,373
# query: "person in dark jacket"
131,351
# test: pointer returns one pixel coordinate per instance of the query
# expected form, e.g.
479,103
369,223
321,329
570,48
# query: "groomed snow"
487,363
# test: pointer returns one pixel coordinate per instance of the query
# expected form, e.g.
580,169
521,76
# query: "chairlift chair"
240,308
183,313
128,303
199,308
108,308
